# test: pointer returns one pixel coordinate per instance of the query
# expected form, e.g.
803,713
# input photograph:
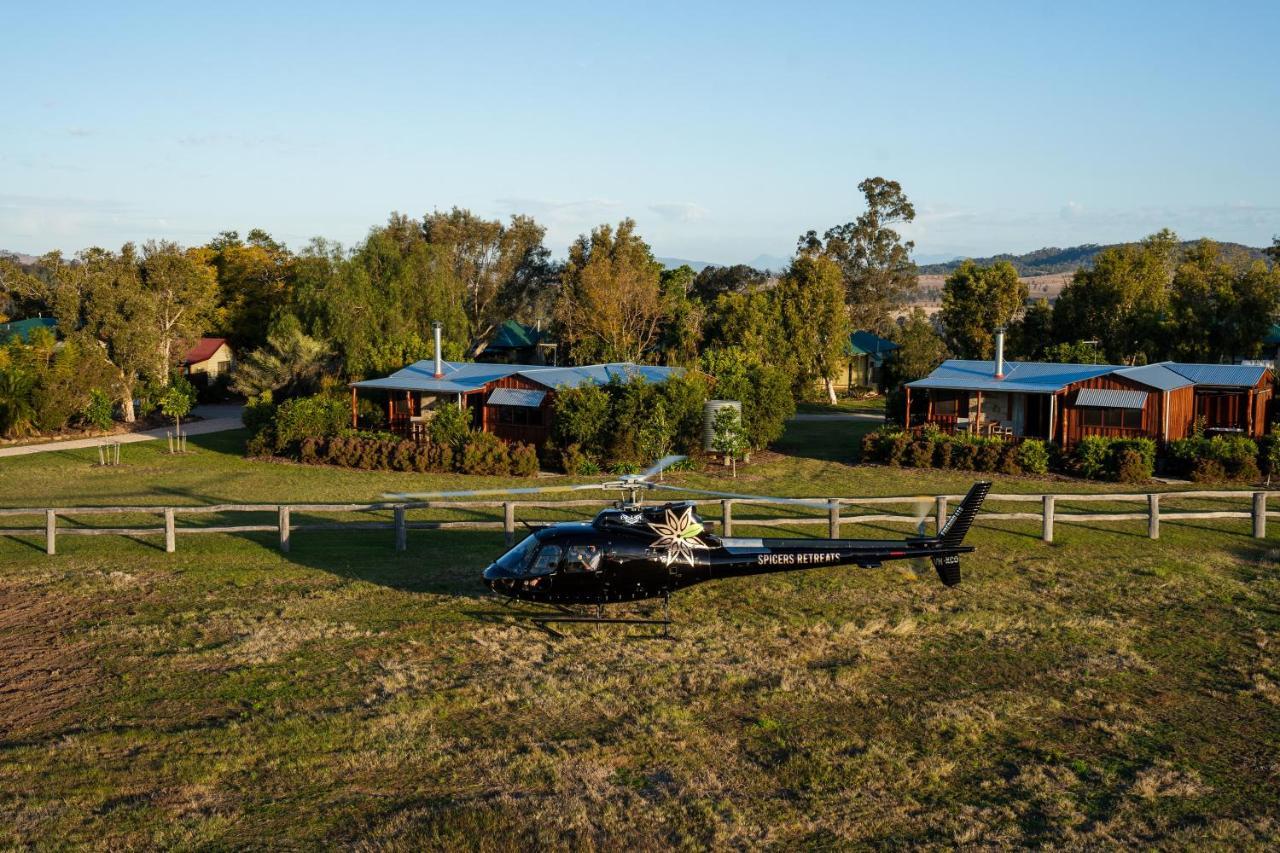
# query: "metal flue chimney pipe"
436,327
999,353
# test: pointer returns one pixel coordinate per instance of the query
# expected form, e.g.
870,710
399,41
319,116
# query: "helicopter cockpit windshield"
530,559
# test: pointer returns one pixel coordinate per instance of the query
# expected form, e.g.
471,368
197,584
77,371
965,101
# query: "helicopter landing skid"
569,617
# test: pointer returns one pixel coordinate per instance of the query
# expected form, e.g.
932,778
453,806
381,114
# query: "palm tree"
292,363
16,410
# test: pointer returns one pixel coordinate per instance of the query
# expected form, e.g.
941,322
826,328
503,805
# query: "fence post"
833,518
1153,516
1046,529
402,532
940,512
50,532
170,532
283,523
726,517
509,523
1260,515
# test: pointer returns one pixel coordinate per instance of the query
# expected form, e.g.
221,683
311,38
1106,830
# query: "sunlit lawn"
1102,691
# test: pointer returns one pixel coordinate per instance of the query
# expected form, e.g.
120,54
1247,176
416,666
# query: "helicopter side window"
582,558
547,560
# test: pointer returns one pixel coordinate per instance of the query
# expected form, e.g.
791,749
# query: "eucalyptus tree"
976,301
874,259
610,306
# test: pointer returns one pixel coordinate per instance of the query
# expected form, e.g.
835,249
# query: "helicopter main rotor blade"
474,493
661,465
739,496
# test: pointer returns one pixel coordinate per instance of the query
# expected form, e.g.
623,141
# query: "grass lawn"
845,405
1105,690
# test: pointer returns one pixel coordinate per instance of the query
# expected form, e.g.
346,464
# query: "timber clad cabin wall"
536,435
1182,410
1072,416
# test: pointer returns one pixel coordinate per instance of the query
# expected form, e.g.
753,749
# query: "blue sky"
724,129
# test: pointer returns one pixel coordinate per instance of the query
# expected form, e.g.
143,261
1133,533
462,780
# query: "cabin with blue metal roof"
515,402
1067,402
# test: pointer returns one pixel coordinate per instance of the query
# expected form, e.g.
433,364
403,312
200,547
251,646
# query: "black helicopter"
634,552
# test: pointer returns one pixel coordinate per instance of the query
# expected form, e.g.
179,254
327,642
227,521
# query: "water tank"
709,419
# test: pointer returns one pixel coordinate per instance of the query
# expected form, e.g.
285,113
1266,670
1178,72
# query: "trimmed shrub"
1091,457
1131,466
449,427
578,462
1206,470
98,411
524,460
320,416
964,456
485,453
919,454
1033,456
942,451
1009,463
988,456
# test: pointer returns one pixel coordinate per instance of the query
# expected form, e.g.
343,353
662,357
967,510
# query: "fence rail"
284,526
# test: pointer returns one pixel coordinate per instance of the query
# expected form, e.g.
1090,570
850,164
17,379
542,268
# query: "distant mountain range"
1052,260
774,263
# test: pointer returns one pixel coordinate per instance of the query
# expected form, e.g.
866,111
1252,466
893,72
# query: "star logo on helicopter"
678,535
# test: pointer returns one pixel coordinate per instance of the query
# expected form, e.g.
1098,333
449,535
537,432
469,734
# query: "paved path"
856,417
217,418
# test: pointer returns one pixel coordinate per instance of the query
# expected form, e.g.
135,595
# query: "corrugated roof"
459,377
204,350
599,374
513,335
23,328
1034,377
1229,375
1156,376
869,343
516,397
463,376
1111,398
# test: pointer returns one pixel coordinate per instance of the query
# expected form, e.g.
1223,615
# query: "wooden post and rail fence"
284,526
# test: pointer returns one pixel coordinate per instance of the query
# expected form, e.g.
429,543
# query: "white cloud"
679,211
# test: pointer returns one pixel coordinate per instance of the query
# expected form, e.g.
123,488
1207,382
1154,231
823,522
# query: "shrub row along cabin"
1066,402
515,402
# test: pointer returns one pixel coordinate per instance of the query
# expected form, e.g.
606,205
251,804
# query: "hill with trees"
1052,259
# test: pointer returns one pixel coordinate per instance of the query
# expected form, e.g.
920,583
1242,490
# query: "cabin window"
519,415
1097,418
582,558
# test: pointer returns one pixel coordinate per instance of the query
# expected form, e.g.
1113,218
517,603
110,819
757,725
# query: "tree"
610,306
184,292
813,319
21,293
16,411
975,302
1029,335
1075,352
763,389
1121,300
873,258
920,349
376,305
1220,310
713,281
500,267
681,332
728,436
291,364
256,279
102,300
176,402
1273,251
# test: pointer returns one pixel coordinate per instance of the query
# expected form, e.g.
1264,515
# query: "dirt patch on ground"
47,670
